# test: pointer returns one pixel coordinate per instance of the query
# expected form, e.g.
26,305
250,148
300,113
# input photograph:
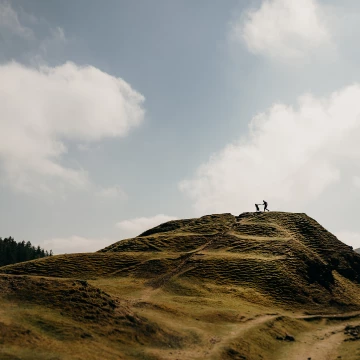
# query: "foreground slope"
198,288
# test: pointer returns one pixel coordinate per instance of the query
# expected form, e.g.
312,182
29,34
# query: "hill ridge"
218,287
287,256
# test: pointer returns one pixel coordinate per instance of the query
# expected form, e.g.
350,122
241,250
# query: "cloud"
41,109
9,21
290,156
36,44
75,244
349,238
134,227
128,228
50,44
112,192
284,29
356,181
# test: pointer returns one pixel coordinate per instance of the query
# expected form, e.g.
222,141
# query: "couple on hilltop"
265,206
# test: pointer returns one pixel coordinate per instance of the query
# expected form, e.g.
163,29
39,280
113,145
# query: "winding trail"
215,351
319,345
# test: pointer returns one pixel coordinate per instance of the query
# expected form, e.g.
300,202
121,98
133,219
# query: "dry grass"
216,287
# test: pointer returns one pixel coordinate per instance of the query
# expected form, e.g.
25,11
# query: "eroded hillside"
190,289
289,258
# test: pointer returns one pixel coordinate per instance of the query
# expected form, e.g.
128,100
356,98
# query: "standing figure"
265,205
257,207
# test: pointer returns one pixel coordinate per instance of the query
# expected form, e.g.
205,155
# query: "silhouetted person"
257,207
265,205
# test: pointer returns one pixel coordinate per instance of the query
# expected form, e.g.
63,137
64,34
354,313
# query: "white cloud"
290,156
349,238
134,227
59,34
128,228
9,21
284,29
41,109
75,244
43,42
52,44
112,192
356,181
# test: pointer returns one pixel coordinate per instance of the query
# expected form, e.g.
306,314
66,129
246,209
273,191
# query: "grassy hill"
257,286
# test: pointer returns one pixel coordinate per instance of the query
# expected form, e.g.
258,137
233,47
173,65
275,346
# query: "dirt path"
237,331
318,345
216,342
340,316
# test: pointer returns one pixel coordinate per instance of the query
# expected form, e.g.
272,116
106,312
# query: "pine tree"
12,252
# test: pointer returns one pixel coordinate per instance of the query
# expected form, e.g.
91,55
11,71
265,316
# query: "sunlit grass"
214,287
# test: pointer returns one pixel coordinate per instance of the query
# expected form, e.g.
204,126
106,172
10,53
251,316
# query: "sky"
117,116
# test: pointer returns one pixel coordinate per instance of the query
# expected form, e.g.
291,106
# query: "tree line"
12,252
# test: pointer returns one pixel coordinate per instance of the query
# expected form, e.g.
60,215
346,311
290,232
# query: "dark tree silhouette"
12,252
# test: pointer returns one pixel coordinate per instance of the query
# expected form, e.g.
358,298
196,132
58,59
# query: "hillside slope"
288,258
209,287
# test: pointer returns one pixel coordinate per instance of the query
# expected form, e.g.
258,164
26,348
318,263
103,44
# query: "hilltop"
189,289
